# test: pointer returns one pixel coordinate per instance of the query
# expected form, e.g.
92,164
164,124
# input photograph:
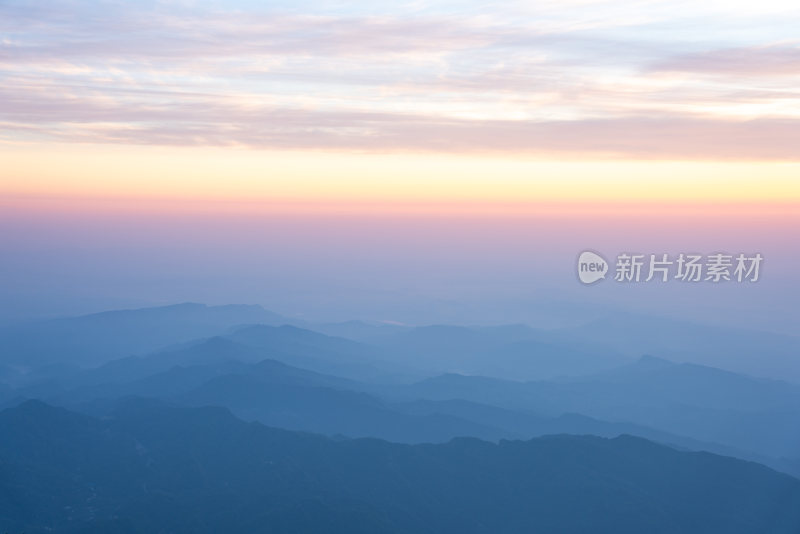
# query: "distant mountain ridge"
388,382
708,404
101,337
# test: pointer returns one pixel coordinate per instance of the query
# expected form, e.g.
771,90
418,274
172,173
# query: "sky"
414,162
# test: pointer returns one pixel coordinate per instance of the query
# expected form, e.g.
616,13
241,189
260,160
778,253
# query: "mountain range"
150,467
468,390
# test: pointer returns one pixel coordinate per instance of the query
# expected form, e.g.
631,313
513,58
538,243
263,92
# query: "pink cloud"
217,122
752,61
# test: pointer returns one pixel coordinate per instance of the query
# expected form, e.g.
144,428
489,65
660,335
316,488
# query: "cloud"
742,62
113,72
171,37
202,120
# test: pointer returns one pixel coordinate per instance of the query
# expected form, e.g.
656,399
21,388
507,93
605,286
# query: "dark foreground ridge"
158,468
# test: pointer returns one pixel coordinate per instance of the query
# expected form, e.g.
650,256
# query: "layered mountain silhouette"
151,467
101,337
752,352
708,404
105,383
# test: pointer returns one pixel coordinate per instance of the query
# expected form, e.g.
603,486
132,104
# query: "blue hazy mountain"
757,415
221,372
326,354
154,468
526,424
524,353
101,337
362,331
301,379
221,353
176,372
330,411
511,351
751,352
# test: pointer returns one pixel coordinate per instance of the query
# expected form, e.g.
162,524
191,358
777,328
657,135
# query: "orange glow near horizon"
52,206
231,180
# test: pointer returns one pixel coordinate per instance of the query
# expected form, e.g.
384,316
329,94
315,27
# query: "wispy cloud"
202,120
162,73
754,62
